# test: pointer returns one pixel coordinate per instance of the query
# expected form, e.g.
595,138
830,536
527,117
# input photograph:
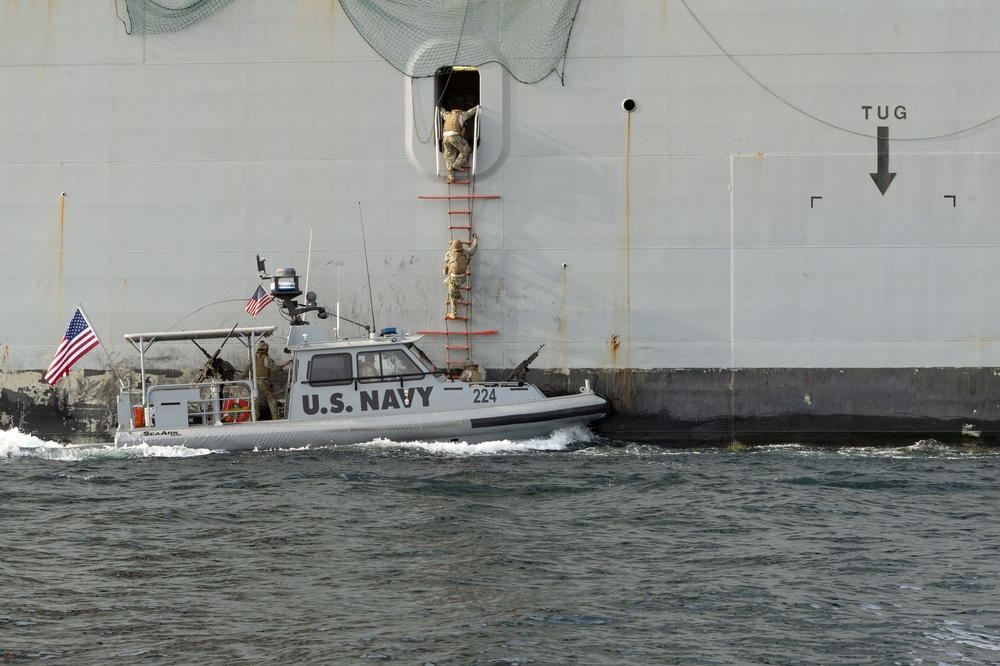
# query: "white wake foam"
15,444
560,440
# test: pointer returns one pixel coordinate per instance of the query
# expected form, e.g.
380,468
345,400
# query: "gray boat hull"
521,421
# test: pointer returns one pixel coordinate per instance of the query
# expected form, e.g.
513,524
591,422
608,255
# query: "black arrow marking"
812,200
952,197
882,177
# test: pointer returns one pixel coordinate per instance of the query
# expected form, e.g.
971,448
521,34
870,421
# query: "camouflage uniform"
456,148
456,264
265,366
470,373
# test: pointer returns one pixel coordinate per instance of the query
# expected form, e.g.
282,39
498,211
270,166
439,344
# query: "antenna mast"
368,274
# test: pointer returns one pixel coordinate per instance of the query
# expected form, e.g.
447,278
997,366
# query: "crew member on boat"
471,372
266,366
366,365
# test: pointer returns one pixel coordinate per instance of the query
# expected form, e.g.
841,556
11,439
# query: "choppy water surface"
567,550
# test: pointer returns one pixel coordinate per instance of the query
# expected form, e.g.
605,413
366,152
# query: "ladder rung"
458,227
456,346
457,332
455,362
459,196
456,318
460,212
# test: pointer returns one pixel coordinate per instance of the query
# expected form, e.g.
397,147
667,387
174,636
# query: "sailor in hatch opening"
265,367
456,148
456,265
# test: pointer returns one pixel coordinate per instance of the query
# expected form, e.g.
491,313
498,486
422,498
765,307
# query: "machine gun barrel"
521,371
217,351
207,355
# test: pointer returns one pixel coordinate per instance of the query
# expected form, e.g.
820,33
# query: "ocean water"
564,550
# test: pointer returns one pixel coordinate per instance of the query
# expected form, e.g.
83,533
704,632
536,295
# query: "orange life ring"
235,411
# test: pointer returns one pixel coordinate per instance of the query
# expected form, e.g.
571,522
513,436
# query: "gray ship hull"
755,223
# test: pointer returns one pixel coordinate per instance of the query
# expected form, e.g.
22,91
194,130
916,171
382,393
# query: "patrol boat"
340,391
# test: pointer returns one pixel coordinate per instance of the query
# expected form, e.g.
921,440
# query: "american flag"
79,339
258,301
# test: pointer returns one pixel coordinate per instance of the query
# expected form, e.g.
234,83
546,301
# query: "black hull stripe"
515,419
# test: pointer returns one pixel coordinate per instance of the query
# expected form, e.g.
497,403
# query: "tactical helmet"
456,244
262,346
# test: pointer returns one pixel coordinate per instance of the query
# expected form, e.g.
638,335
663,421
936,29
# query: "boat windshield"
423,359
387,364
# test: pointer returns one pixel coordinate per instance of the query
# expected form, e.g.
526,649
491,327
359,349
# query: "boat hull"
522,421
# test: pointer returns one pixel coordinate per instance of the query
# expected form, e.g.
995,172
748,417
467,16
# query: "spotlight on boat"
311,305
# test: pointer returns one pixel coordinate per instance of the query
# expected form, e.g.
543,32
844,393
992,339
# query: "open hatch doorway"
457,88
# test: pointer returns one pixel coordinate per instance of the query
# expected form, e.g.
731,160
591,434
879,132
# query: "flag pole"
114,369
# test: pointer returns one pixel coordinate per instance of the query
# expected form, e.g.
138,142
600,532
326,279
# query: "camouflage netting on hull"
417,37
527,37
150,17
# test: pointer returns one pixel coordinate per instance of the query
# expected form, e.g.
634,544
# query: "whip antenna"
368,274
309,259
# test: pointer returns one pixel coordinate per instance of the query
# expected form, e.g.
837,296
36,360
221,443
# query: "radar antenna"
285,288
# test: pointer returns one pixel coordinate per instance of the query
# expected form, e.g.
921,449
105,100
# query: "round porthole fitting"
629,104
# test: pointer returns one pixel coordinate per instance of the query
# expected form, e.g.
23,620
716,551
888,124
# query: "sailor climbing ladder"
460,198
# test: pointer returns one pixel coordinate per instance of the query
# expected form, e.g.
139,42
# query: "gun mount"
519,373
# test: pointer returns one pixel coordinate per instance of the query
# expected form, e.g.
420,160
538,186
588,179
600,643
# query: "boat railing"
500,384
199,404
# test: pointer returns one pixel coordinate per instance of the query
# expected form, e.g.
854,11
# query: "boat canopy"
248,335
206,334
